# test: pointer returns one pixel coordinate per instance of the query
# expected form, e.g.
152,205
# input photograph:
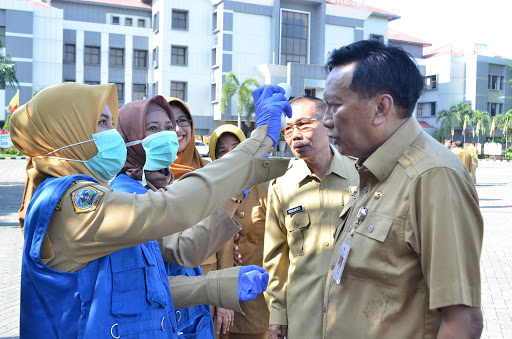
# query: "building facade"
181,48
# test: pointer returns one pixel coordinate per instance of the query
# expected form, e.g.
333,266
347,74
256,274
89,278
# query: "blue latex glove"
270,103
252,281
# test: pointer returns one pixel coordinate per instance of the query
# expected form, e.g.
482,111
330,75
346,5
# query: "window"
179,55
155,88
120,91
155,57
92,55
494,108
91,82
179,19
69,53
426,109
141,23
116,57
179,90
430,82
294,37
2,35
115,20
214,21
214,92
214,56
128,22
139,91
311,92
155,22
140,59
494,82
377,37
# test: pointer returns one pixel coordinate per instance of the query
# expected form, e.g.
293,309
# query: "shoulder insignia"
86,199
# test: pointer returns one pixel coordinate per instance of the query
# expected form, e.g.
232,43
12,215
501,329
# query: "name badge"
294,210
342,260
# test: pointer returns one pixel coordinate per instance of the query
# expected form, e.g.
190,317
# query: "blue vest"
122,295
192,322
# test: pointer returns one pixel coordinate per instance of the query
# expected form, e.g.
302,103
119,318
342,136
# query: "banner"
464,127
5,141
477,132
493,127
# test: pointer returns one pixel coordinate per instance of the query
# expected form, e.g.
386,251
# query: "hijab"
131,126
59,116
189,159
227,128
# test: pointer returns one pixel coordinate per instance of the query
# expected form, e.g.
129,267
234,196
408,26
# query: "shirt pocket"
297,226
369,248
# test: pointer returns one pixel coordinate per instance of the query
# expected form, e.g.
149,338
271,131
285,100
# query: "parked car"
203,150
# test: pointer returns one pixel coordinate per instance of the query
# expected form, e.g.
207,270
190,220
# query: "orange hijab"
59,116
189,159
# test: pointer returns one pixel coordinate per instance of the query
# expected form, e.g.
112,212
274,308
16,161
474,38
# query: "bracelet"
236,200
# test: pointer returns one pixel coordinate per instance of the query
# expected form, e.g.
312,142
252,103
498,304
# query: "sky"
454,21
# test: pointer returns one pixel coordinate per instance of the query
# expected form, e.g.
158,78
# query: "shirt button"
332,266
267,163
325,215
324,309
365,190
242,214
326,244
370,228
322,187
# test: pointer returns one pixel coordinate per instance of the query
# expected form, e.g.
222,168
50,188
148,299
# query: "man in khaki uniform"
464,155
302,215
474,158
405,262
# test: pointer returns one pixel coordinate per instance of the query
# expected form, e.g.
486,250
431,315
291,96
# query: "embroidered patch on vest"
86,199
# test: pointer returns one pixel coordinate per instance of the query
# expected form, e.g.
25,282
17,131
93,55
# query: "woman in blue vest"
90,268
148,129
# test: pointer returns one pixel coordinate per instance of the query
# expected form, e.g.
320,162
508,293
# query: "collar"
385,158
337,166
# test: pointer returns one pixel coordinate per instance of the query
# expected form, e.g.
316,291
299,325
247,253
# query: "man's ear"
384,103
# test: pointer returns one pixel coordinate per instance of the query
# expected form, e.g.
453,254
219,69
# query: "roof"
425,125
121,3
39,3
399,36
456,50
362,5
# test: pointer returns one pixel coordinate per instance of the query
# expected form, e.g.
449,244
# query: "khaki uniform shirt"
418,248
194,245
251,215
465,156
298,247
118,220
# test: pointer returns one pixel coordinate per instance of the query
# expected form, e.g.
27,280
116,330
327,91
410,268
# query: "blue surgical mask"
111,156
161,149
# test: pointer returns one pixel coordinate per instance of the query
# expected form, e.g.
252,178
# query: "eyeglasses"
304,125
183,122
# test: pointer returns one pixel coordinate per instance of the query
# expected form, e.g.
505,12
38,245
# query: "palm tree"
7,70
459,112
483,117
233,86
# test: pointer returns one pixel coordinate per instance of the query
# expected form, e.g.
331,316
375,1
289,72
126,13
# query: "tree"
484,117
7,70
244,90
459,112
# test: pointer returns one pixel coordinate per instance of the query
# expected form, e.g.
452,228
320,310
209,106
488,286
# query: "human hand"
270,103
278,331
237,257
225,319
252,281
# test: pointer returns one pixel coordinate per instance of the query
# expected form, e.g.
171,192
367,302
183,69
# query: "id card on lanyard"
340,263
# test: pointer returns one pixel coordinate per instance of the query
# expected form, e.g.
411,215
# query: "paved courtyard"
494,189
